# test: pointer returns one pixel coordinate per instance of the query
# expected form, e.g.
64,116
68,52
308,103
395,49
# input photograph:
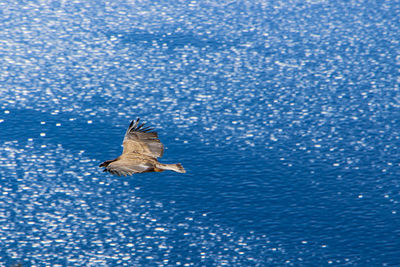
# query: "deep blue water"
285,114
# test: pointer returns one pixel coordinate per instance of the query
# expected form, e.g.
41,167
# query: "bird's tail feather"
172,167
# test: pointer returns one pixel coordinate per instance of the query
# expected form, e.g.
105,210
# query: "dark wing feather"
141,139
127,167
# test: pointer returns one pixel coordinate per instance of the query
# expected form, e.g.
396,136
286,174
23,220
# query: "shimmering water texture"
58,210
285,115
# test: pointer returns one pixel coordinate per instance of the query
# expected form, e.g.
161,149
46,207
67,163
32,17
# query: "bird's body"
141,150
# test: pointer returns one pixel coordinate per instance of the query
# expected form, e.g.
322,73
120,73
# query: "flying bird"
141,150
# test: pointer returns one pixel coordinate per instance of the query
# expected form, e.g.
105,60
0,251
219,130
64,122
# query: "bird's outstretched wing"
142,140
126,167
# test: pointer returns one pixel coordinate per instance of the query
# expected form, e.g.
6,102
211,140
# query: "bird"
141,148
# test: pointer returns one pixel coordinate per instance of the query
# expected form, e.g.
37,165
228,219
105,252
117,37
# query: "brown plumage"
141,150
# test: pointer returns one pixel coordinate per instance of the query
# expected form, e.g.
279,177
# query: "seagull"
141,150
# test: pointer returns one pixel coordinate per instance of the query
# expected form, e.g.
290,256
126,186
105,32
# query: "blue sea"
285,114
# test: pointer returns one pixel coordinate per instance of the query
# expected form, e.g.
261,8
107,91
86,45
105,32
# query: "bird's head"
105,163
